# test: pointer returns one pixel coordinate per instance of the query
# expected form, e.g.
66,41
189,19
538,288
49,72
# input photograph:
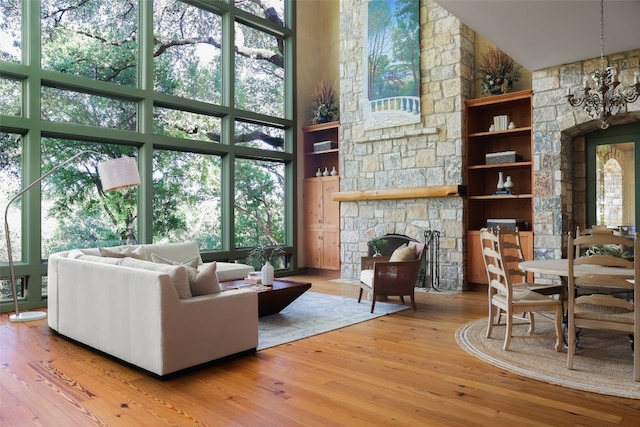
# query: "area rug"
603,362
314,313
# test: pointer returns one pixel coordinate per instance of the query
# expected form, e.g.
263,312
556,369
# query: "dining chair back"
590,309
513,255
512,300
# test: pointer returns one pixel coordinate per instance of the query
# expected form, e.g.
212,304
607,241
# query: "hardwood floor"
403,369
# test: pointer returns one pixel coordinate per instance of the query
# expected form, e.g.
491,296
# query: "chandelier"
605,99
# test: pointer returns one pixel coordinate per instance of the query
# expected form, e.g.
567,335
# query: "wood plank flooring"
403,369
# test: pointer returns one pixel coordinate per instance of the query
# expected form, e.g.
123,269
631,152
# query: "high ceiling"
545,33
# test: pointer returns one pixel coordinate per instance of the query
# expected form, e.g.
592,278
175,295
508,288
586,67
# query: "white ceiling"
545,33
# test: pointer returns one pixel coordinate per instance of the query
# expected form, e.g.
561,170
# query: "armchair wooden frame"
598,310
392,278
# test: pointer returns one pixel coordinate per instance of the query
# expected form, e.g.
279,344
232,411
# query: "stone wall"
423,154
559,149
432,152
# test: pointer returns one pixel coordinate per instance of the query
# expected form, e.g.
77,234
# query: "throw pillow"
192,262
123,252
403,253
205,280
177,273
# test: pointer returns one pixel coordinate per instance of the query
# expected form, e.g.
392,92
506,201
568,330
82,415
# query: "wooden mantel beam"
398,193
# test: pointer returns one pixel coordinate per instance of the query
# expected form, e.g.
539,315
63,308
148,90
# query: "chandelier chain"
602,34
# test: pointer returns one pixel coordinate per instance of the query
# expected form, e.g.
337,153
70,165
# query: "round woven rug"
603,363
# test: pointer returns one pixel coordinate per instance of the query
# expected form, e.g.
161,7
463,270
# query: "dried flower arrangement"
324,107
499,71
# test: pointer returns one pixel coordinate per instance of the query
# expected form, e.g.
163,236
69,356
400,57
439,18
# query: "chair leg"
360,296
532,324
401,299
571,342
558,319
373,302
507,332
492,313
413,302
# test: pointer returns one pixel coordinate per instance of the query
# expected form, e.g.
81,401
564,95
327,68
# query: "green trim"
34,129
619,134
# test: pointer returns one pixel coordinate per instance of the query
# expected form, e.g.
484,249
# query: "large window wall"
199,92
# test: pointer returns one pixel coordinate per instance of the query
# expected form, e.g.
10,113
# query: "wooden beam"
398,193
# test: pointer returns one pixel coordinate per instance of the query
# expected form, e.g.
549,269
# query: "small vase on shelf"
326,172
508,184
318,173
500,185
334,172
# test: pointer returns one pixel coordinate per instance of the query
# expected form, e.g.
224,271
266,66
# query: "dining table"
560,267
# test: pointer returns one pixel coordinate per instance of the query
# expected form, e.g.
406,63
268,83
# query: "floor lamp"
114,174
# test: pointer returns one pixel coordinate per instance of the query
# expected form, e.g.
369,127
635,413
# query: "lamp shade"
118,173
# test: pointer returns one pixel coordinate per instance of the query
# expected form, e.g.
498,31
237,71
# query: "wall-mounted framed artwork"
392,92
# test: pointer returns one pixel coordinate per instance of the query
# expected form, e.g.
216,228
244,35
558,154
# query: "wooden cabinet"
482,178
321,215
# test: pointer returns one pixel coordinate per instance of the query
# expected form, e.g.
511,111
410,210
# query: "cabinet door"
312,198
313,248
330,208
476,271
331,250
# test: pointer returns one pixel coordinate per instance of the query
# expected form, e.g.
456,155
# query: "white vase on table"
267,274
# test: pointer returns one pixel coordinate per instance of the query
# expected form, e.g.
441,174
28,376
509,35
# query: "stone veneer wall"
427,153
559,149
414,156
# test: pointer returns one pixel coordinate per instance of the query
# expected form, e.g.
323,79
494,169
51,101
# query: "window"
612,157
205,115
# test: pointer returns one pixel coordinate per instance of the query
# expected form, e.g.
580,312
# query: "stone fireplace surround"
432,153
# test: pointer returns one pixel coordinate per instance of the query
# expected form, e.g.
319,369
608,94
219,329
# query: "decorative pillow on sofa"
202,281
177,273
403,253
123,252
191,262
173,251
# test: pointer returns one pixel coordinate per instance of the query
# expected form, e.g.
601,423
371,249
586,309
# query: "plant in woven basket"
499,72
324,107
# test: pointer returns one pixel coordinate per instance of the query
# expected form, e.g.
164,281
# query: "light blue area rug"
314,313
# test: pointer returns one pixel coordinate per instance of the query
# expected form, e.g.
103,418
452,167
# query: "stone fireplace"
431,153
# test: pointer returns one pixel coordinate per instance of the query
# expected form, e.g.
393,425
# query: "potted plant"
324,108
377,244
261,254
499,72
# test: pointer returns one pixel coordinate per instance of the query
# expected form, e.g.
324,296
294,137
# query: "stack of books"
500,122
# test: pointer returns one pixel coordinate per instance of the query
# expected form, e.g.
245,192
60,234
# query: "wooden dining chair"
513,255
602,311
512,300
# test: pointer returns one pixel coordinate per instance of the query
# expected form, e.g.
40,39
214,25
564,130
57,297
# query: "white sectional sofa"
136,313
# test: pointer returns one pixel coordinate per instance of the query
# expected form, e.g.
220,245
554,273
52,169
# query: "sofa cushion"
101,260
75,254
192,262
173,251
203,281
177,273
403,253
123,252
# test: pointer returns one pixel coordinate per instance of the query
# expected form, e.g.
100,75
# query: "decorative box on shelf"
501,157
324,145
508,223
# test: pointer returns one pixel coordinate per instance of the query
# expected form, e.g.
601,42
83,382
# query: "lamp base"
28,316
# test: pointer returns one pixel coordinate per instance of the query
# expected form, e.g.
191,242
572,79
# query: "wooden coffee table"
271,300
